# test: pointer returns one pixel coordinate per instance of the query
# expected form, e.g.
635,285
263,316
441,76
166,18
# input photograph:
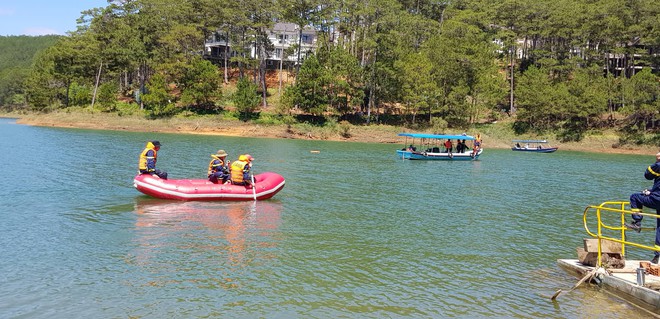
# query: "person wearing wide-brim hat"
219,167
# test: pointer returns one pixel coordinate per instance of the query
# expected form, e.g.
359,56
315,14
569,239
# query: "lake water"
356,232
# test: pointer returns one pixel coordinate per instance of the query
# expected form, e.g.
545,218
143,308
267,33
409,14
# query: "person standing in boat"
240,170
461,147
448,146
219,167
476,146
148,158
650,199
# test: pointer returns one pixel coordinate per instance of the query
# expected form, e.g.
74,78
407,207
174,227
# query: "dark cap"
155,143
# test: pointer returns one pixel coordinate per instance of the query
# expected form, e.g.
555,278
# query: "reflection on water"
234,233
356,232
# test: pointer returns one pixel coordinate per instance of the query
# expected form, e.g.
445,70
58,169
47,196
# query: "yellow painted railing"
616,228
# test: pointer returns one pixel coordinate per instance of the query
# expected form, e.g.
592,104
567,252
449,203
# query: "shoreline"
382,134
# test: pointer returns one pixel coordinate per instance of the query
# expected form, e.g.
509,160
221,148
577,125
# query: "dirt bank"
494,135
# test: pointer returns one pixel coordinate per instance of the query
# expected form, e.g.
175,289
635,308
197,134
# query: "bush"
246,98
126,109
345,128
107,96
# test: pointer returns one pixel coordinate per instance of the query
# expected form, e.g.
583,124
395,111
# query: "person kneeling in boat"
240,170
219,167
148,158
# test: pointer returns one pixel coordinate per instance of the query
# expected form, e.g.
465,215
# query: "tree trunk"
262,72
512,107
299,49
226,57
96,86
372,93
279,89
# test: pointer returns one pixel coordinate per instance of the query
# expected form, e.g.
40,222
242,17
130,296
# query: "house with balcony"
283,36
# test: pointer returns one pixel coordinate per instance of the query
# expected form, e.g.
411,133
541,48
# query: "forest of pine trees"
565,66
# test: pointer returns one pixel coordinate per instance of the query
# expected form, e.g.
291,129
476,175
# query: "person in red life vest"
650,199
219,167
240,170
148,158
449,146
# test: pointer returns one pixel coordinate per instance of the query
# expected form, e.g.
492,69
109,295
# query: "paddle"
254,190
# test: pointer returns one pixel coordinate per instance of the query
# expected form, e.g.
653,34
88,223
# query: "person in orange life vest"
240,170
219,167
148,158
650,199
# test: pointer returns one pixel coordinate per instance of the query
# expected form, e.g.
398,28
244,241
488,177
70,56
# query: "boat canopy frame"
439,136
531,141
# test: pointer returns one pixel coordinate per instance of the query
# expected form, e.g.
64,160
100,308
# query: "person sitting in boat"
219,167
517,145
148,158
240,170
411,148
650,199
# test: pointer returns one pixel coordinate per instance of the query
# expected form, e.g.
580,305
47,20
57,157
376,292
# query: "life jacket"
215,165
144,158
237,170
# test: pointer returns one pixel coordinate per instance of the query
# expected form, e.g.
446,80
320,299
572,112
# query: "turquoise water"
356,232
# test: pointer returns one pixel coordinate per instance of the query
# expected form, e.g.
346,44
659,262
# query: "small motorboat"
266,185
434,150
533,146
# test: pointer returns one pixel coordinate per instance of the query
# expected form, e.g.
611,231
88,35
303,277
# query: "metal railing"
611,209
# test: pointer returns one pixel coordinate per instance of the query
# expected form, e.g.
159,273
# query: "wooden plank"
623,271
585,258
607,246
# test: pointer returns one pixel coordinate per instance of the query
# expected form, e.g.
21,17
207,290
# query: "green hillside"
16,56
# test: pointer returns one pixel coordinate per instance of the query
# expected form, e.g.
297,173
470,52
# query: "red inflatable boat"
266,186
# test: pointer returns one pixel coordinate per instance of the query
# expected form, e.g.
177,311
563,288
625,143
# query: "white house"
282,35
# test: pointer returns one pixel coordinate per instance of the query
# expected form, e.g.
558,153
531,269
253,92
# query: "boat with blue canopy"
533,146
434,147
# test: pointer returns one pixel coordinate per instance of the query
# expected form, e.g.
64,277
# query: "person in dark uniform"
648,198
219,167
148,158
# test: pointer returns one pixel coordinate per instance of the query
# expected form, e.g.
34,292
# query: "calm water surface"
356,233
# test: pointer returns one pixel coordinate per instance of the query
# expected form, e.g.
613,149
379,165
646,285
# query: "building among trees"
285,38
